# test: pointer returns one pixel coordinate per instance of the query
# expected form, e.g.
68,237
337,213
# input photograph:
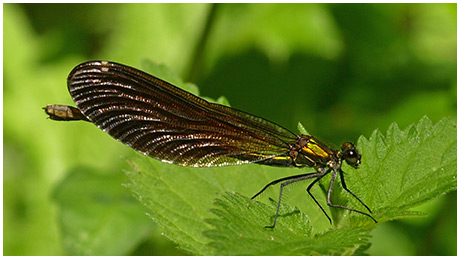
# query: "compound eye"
350,154
352,158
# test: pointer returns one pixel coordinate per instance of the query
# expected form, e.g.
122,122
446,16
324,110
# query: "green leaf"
179,198
97,215
399,171
238,231
302,129
409,167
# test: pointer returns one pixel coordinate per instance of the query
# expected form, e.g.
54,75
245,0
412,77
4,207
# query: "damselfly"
169,124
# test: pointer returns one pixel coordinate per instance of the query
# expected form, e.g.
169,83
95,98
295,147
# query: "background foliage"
341,69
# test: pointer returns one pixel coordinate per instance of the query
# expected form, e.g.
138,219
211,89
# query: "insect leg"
346,189
288,180
311,195
311,175
329,203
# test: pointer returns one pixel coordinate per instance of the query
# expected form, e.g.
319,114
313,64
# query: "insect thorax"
308,151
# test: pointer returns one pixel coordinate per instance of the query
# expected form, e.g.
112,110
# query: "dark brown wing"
169,124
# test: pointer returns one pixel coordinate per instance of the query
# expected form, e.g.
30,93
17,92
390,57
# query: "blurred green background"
342,70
